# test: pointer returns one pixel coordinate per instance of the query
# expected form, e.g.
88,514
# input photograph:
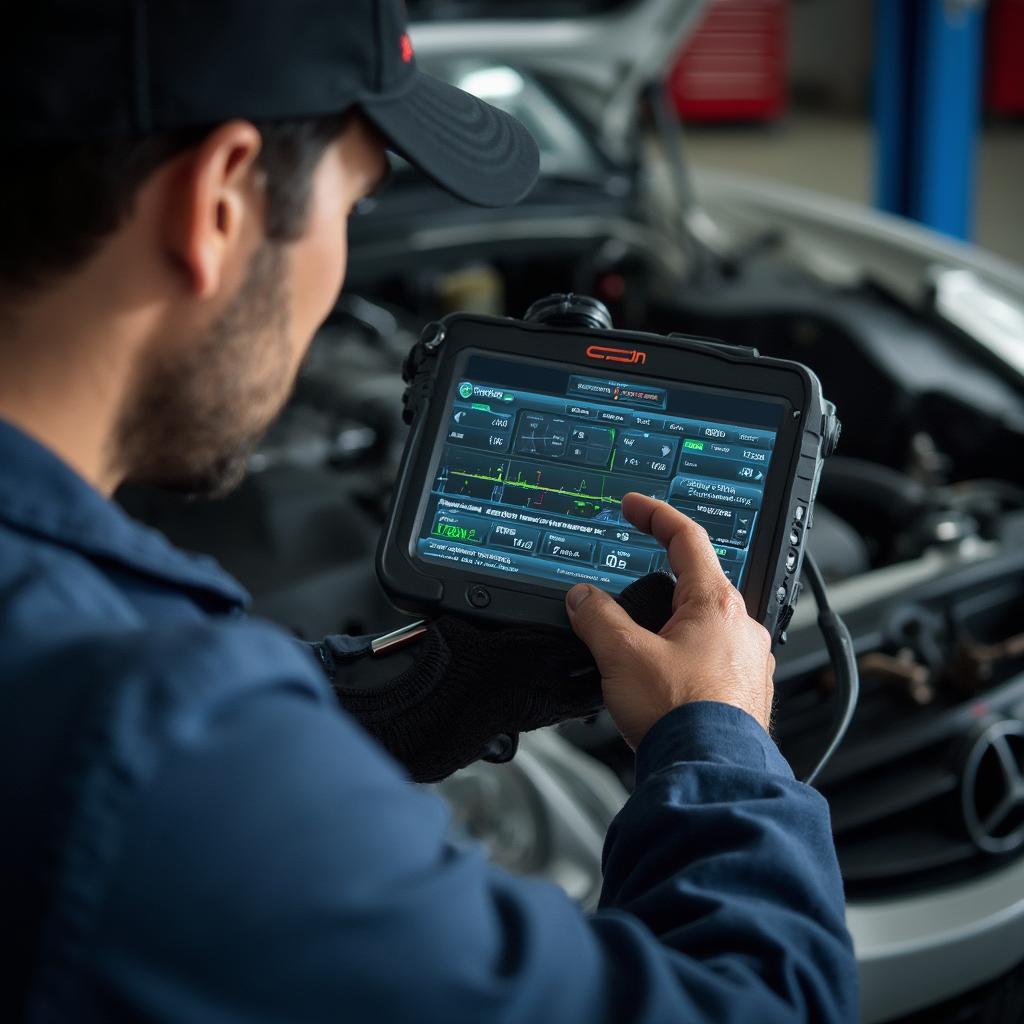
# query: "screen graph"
557,490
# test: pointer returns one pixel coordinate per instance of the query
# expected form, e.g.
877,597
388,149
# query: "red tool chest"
733,68
1004,57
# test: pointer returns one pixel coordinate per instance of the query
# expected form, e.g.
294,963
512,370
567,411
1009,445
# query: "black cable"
844,663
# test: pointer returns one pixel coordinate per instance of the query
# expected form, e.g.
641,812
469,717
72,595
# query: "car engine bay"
919,533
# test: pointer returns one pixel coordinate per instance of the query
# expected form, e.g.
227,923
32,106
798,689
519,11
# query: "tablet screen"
528,473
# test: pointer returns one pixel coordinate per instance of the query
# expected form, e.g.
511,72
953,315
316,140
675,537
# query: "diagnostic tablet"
526,436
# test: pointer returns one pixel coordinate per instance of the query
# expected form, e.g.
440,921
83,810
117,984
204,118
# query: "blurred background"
809,93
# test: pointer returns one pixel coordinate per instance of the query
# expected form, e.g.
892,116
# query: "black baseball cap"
74,70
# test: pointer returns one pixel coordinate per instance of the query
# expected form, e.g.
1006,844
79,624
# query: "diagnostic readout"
529,480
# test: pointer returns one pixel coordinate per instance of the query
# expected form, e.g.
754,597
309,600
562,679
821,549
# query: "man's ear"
215,201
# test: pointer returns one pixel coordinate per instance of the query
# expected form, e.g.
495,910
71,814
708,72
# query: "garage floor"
833,155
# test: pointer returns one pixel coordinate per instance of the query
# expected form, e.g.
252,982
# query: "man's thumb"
599,621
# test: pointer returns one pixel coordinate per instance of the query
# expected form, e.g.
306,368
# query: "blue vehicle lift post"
927,79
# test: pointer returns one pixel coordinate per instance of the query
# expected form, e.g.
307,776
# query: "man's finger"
690,553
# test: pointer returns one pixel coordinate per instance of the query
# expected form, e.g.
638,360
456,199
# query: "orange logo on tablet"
617,355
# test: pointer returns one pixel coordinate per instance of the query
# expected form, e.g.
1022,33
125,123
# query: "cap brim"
469,148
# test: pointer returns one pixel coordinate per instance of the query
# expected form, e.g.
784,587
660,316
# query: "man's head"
182,217
255,230
229,244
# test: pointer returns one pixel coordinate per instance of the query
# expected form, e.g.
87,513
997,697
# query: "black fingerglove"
466,690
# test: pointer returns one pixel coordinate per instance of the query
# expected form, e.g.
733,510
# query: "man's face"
201,406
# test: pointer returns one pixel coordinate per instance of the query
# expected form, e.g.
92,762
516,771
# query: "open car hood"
603,53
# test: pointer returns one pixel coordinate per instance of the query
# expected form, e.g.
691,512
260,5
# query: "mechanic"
194,830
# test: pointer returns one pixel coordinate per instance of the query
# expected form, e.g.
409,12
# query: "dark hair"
58,202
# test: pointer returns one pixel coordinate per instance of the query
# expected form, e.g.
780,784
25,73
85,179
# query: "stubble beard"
195,420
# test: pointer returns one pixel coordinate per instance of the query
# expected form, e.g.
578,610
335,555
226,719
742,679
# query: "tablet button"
560,545
478,597
783,624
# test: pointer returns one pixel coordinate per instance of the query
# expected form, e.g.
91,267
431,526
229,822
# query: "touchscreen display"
534,458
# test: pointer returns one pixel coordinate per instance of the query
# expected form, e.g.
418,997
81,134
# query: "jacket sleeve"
729,862
278,867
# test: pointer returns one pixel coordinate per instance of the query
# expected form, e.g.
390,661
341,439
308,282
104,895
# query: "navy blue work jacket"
193,831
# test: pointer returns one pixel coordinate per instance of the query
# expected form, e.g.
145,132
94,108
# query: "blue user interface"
535,457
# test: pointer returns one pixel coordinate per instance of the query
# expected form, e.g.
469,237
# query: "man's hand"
709,650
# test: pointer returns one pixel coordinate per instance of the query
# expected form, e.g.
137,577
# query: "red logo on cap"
406,48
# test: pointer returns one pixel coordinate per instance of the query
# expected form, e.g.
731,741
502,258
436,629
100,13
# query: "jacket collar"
42,496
